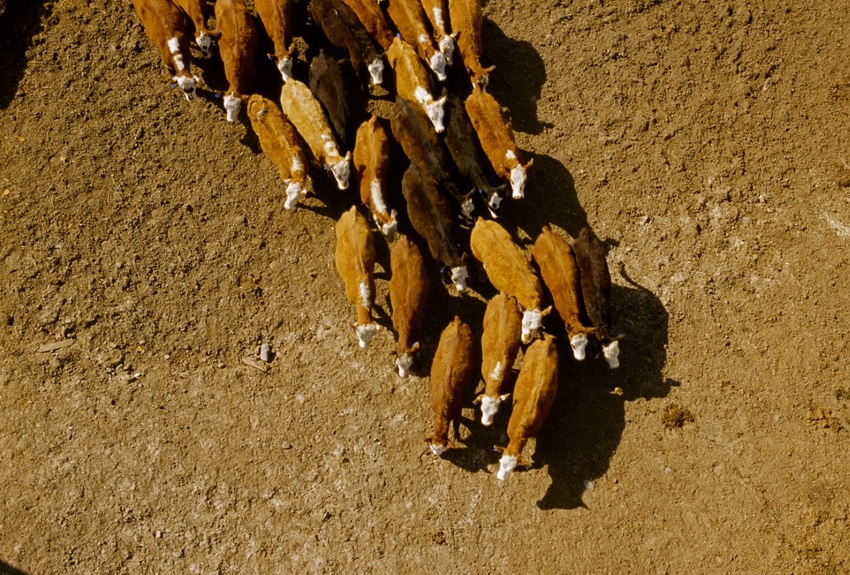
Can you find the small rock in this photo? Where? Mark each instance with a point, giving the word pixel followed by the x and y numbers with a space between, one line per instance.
pixel 266 352
pixel 286 445
pixel 588 484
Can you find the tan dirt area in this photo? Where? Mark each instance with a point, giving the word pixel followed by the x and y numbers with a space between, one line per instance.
pixel 145 252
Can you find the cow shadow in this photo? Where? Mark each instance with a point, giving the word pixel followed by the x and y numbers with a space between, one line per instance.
pixel 21 21
pixel 6 569
pixel 587 420
pixel 518 78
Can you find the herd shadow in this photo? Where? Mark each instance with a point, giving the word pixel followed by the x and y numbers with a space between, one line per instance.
pixel 21 21
pixel 6 569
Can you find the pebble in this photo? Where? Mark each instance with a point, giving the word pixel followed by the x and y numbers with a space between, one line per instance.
pixel 266 352
pixel 286 445
pixel 588 484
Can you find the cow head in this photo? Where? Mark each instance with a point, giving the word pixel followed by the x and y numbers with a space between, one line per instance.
pixel 187 85
pixel 579 344
pixel 341 171
pixel 518 178
pixel 459 275
pixel 365 332
pixel 467 206
pixel 376 71
pixel 490 407
pixel 438 446
pixel 447 47
pixel 611 351
pixel 507 464
pixel 284 66
pixel 204 42
pixel 295 192
pixel 436 113
pixel 232 104
pixel 438 64
pixel 390 228
pixel 532 320
pixel 493 201
pixel 405 360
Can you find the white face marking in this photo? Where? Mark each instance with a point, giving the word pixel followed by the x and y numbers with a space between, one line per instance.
pixel 365 333
pixel 497 373
pixel 612 353
pixel 531 322
pixel 438 64
pixel 376 71
pixel 518 182
pixel 438 449
pixel 187 86
pixel 435 113
pixel 447 47
pixel 377 198
pixel 232 105
pixel 459 275
pixel 284 65
pixel 509 155
pixel 390 228
pixel 578 343
pixel 204 42
pixel 294 193
pixel 489 408
pixel 365 295
pixel 467 207
pixel 507 464
pixel 403 362
pixel 341 171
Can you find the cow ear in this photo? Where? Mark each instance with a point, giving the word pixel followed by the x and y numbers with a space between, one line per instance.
pixel 499 450
pixel 415 346
pixel 546 311
pixel 528 165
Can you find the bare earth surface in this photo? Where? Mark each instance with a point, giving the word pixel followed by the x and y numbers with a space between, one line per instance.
pixel 708 143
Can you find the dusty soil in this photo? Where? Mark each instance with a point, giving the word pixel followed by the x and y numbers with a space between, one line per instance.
pixel 708 143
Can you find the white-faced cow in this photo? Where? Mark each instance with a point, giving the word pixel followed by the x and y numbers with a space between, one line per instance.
pixel 500 344
pixel 372 163
pixel 198 11
pixel 596 292
pixel 344 30
pixel 355 262
pixel 280 143
pixel 411 22
pixel 276 18
pixel 466 21
pixel 413 83
pixel 408 297
pixel 451 373
pixel 554 257
pixel 238 44
pixel 534 394
pixel 509 270
pixel 165 25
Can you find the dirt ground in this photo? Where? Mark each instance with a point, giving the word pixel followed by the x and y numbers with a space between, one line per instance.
pixel 146 251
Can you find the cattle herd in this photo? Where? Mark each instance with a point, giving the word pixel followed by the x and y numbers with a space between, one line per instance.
pixel 456 138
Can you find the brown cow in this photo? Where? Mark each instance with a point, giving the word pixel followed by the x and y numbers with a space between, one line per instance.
pixel 430 215
pixel 509 271
pixel 437 13
pixel 412 81
pixel 276 18
pixel 281 145
pixel 372 163
pixel 466 21
pixel 462 143
pixel 596 292
pixel 355 262
pixel 238 44
pixel 165 25
pixel 499 348
pixel 199 11
pixel 344 30
pixel 451 373
pixel 408 296
pixel 558 268
pixel 327 85
pixel 410 21
pixel 373 19
pixel 304 111
pixel 423 147
pixel 534 393
pixel 497 139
